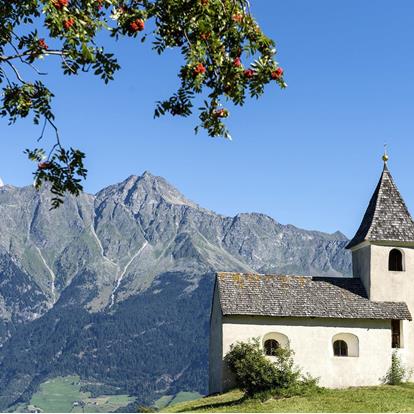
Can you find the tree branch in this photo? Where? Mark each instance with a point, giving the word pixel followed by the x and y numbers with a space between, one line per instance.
pixel 16 72
pixel 5 58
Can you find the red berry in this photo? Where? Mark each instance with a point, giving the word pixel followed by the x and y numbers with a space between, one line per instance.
pixel 137 25
pixel 237 17
pixel 140 23
pixel 67 24
pixel 277 74
pixel 249 73
pixel 44 165
pixel 199 69
pixel 133 27
pixel 60 4
pixel 204 36
pixel 221 113
pixel 42 44
pixel 237 62
pixel 204 2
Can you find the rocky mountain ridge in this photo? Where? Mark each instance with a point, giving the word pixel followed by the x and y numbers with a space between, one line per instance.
pixel 137 242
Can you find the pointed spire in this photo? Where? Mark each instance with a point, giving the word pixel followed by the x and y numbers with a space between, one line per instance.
pixel 387 218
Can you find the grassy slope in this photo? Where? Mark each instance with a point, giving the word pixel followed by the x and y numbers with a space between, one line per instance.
pixel 181 397
pixel 354 400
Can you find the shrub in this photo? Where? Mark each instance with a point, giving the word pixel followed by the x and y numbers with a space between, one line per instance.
pixel 257 376
pixel 397 373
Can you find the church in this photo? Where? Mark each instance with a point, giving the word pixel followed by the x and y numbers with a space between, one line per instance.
pixel 342 330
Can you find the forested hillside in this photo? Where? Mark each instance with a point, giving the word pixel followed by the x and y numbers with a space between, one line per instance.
pixel 116 287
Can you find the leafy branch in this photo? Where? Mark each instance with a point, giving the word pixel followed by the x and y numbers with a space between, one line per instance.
pixel 227 58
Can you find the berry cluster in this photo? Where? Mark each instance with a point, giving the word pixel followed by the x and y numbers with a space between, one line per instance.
pixel 67 24
pixel 237 17
pixel 60 4
pixel 249 73
pixel 237 62
pixel 277 74
pixel 137 25
pixel 42 44
pixel 44 165
pixel 221 113
pixel 199 69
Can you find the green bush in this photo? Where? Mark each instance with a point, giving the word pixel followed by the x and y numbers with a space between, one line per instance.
pixel 258 376
pixel 397 373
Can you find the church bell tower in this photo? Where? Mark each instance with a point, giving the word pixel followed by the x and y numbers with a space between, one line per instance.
pixel 383 247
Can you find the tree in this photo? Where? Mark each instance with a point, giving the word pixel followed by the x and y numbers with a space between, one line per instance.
pixel 226 57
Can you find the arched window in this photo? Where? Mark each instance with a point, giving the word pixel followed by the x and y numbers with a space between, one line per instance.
pixel 345 345
pixel 271 346
pixel 340 348
pixel 395 261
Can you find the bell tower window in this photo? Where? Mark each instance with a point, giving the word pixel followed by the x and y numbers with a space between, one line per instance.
pixel 395 261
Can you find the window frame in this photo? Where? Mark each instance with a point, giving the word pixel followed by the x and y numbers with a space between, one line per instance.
pixel 397 263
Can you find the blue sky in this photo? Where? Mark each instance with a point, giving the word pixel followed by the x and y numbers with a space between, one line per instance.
pixel 309 155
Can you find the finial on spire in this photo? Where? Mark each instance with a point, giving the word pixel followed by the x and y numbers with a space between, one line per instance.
pixel 385 157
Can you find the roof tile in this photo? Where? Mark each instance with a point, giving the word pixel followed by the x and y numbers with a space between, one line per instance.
pixel 387 217
pixel 300 296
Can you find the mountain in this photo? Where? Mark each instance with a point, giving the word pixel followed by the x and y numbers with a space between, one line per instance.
pixel 116 287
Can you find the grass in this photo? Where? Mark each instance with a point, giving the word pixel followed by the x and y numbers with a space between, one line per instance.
pixel 352 400
pixel 185 396
pixel 163 401
pixel 57 395
pixel 169 400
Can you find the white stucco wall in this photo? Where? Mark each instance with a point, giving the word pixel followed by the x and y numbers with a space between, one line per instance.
pixel 311 339
pixel 391 286
pixel 361 265
pixel 371 265
pixel 216 346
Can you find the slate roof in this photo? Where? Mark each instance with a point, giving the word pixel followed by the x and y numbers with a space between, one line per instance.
pixel 300 296
pixel 387 217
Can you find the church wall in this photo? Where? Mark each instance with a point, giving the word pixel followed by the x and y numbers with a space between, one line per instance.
pixel 361 265
pixel 395 287
pixel 216 346
pixel 311 340
pixel 391 286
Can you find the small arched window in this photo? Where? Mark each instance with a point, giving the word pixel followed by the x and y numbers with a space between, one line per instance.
pixel 395 261
pixel 340 348
pixel 271 346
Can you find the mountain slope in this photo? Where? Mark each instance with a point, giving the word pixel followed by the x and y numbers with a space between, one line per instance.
pixel 112 286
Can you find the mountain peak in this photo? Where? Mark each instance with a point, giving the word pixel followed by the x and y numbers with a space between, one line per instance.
pixel 146 188
pixel 147 174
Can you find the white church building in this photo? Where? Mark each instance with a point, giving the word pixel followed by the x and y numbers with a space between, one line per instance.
pixel 342 330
